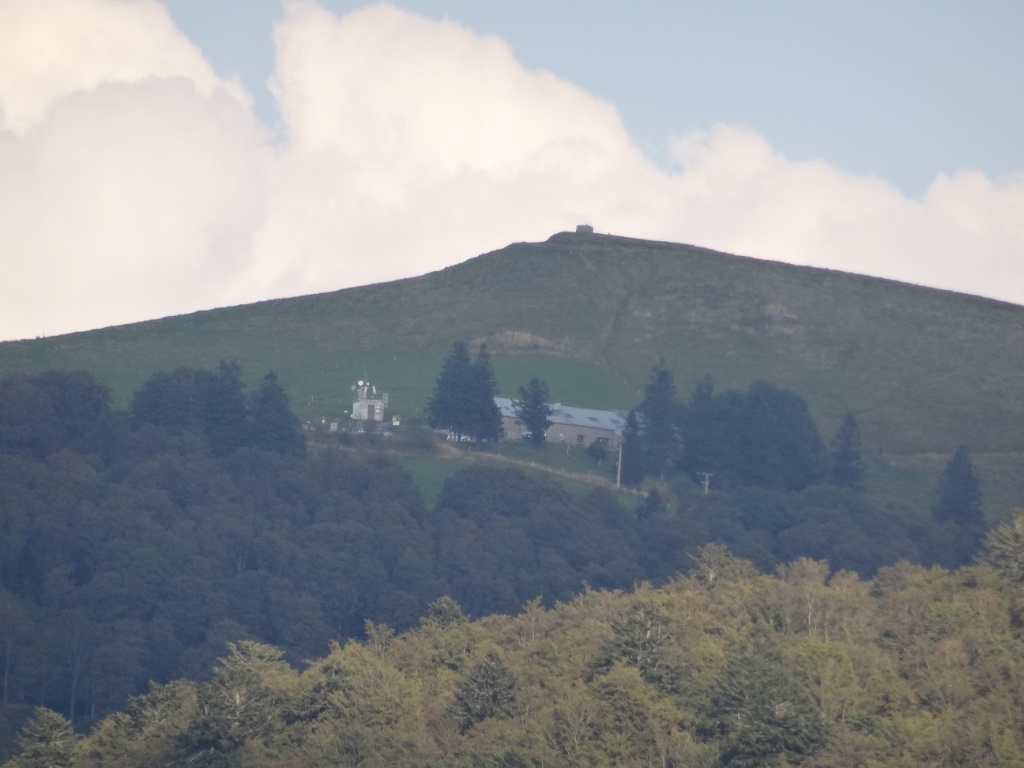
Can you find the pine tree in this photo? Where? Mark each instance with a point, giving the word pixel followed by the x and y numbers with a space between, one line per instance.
pixel 631 468
pixel 225 417
pixel 489 689
pixel 1004 548
pixel 484 414
pixel 699 424
pixel 46 741
pixel 447 406
pixel 760 709
pixel 960 493
pixel 533 410
pixel 274 426
pixel 847 465
pixel 662 446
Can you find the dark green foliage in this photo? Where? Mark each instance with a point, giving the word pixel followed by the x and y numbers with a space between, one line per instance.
pixel 760 708
pixel 143 568
pixel 631 468
pixel 463 398
pixel 659 427
pixel 40 415
pixel 450 402
pixel 651 507
pixel 225 417
pixel 780 446
pixel 274 426
pixel 489 689
pixel 764 437
pixel 845 451
pixel 959 492
pixel 214 404
pixel 960 522
pixel 485 416
pixel 533 410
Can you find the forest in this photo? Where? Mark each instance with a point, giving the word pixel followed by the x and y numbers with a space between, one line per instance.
pixel 140 546
pixel 721 666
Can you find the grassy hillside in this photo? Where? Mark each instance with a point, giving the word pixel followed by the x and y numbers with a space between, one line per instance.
pixel 923 369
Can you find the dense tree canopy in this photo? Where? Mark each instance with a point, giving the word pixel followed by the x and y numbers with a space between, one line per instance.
pixel 764 437
pixel 134 548
pixel 918 667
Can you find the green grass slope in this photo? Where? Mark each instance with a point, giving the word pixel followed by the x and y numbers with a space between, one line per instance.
pixel 923 369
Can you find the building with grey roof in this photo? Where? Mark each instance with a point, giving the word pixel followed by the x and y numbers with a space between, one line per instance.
pixel 575 426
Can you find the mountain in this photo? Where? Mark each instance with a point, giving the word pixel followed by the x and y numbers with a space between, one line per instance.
pixel 924 370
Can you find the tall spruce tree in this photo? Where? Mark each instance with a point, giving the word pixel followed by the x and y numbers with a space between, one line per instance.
pixel 698 421
pixel 960 493
pixel 847 469
pixel 485 416
pixel 1004 547
pixel 448 405
pixel 960 521
pixel 533 410
pixel 659 428
pixel 759 707
pixel 274 425
pixel 225 417
pixel 631 466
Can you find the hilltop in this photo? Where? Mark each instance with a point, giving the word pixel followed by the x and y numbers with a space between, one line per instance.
pixel 923 369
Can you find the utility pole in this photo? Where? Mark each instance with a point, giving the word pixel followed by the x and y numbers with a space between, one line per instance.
pixel 705 481
pixel 618 469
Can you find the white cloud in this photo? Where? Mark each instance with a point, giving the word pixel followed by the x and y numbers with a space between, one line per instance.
pixel 123 195
pixel 52 48
pixel 134 183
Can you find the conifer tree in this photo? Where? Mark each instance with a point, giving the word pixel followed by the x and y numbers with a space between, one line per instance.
pixel 533 410
pixel 46 741
pixel 659 428
pixel 484 414
pixel 1004 547
pixel 760 709
pixel 489 689
pixel 447 405
pixel 847 464
pixel 225 417
pixel 631 468
pixel 960 493
pixel 274 426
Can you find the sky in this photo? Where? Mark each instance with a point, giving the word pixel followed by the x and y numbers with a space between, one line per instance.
pixel 158 158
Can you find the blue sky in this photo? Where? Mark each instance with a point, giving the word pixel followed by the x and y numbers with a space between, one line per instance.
pixel 162 157
pixel 902 90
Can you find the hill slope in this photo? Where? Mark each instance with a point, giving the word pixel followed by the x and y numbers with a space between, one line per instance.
pixel 923 369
